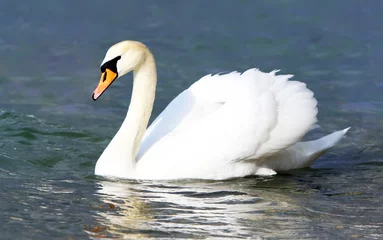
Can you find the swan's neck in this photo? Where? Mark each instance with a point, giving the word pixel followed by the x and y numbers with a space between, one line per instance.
pixel 141 104
pixel 119 158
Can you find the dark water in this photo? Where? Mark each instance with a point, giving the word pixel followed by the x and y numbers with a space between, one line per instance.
pixel 52 132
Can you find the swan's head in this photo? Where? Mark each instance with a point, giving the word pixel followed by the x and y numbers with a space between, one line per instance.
pixel 119 60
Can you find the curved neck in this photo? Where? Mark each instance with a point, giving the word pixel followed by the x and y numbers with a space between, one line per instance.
pixel 141 103
pixel 119 158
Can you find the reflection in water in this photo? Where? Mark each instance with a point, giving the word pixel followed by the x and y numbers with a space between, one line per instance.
pixel 196 209
pixel 125 211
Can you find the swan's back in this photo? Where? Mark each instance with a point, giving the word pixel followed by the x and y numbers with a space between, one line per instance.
pixel 229 118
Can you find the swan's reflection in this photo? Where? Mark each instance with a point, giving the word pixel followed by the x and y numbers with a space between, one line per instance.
pixel 126 212
pixel 195 209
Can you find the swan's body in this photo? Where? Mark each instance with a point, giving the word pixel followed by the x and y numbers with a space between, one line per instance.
pixel 223 126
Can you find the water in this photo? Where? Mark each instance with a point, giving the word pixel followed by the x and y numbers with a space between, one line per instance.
pixel 52 132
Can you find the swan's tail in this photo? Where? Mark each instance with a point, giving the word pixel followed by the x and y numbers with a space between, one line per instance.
pixel 303 154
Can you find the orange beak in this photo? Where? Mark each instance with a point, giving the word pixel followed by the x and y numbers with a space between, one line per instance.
pixel 106 80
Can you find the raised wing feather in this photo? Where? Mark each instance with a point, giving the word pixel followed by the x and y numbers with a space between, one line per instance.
pixel 296 111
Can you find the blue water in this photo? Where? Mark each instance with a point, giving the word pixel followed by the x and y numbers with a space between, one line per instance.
pixel 52 132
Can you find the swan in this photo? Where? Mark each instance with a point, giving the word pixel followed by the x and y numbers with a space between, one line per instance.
pixel 223 126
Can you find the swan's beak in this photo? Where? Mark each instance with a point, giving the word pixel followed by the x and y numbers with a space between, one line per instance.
pixel 106 80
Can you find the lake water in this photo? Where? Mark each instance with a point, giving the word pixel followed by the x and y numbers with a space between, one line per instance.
pixel 52 132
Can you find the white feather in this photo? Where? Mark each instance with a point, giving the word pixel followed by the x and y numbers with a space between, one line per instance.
pixel 222 126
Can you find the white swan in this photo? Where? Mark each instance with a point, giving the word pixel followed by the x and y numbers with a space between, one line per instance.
pixel 223 126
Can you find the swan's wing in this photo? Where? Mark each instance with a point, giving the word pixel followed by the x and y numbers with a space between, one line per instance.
pixel 253 115
pixel 282 111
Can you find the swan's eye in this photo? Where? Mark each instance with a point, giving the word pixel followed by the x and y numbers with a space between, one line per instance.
pixel 111 64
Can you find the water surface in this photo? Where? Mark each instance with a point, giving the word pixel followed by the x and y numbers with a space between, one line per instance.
pixel 52 132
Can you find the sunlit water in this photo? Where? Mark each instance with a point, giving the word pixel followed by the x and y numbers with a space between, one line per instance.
pixel 52 132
